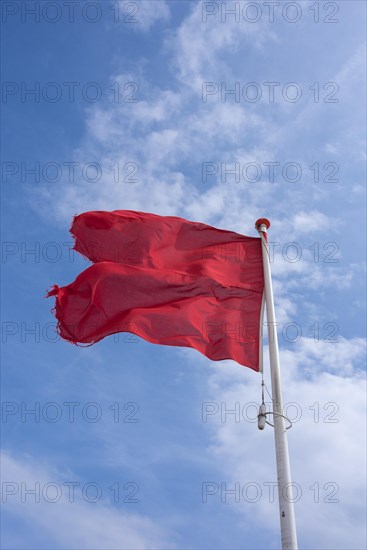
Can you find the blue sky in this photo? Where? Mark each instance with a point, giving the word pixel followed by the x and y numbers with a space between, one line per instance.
pixel 131 415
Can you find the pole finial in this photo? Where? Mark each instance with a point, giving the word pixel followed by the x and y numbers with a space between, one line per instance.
pixel 262 221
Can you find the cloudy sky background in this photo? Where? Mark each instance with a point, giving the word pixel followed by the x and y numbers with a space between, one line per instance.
pixel 129 415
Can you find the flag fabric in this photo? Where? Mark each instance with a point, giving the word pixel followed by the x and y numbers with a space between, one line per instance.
pixel 167 280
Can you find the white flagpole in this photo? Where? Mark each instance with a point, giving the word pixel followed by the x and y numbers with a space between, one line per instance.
pixel 285 492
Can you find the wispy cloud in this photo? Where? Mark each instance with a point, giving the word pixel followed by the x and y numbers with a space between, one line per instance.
pixel 143 14
pixel 71 521
pixel 324 390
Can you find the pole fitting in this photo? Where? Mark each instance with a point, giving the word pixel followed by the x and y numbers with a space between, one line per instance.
pixel 260 222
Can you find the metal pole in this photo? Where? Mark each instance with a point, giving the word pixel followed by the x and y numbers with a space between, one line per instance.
pixel 285 492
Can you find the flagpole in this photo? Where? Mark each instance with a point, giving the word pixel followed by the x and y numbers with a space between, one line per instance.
pixel 285 492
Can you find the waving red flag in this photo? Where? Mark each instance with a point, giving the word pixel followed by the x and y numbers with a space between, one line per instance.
pixel 168 280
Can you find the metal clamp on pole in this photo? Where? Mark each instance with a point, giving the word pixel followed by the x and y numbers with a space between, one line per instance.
pixel 262 418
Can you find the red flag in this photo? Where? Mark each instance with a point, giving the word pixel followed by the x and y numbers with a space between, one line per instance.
pixel 168 280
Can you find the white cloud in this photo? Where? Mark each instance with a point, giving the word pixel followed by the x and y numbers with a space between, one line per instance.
pixel 169 130
pixel 350 81
pixel 326 386
pixel 331 148
pixel 68 524
pixel 142 14
pixel 310 222
pixel 201 39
